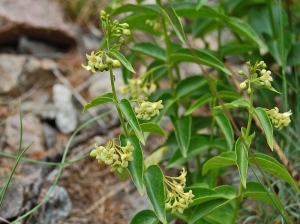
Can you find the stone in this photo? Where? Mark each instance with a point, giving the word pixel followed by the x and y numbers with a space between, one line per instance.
pixel 19 73
pixel 66 117
pixel 57 207
pixel 101 83
pixel 32 133
pixel 50 134
pixel 43 20
pixel 15 197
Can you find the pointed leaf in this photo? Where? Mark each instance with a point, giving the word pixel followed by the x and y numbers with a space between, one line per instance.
pixel 136 166
pixel 224 124
pixel 145 217
pixel 206 208
pixel 189 85
pixel 198 56
pixel 182 128
pixel 259 192
pixel 200 102
pixel 154 182
pixel 129 114
pixel 272 166
pixel 200 3
pixel 108 97
pixel 205 194
pixel 122 59
pixel 241 152
pixel 152 127
pixel 222 160
pixel 234 104
pixel 265 124
pixel 170 15
pixel 198 144
pixel 151 49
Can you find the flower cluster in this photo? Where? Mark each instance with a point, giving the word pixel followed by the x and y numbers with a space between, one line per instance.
pixel 137 89
pixel 114 155
pixel 148 109
pixel 258 75
pixel 115 29
pixel 100 61
pixel 176 198
pixel 154 23
pixel 279 120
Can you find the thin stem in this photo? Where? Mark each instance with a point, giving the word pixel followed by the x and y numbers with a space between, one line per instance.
pixel 112 83
pixel 271 18
pixel 238 202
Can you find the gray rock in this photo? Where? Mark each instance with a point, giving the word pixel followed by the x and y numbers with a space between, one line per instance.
pixel 20 73
pixel 57 207
pixel 15 197
pixel 50 135
pixel 66 119
pixel 32 132
pixel 42 20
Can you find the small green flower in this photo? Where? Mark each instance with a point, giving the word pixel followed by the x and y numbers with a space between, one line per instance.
pixel 279 120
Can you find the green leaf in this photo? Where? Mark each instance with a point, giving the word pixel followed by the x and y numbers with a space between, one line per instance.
pixel 136 8
pixel 265 124
pixel 189 85
pixel 106 98
pixel 224 123
pixel 122 59
pixel 200 3
pixel 145 217
pixel 236 48
pixel 129 114
pixel 219 143
pixel 222 160
pixel 241 152
pixel 242 28
pixel 272 166
pixel 258 192
pixel 294 55
pixel 275 46
pixel 239 27
pixel 205 194
pixel 155 157
pixel 198 56
pixel 229 95
pixel 234 104
pixel 136 166
pixel 170 15
pixel 200 102
pixel 151 49
pixel 152 127
pixel 182 127
pixel 197 145
pixel 206 208
pixel 154 182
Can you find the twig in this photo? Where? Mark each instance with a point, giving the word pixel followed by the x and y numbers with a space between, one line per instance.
pixel 4 220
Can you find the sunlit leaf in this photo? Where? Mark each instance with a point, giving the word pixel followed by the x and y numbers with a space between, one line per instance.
pixel 106 98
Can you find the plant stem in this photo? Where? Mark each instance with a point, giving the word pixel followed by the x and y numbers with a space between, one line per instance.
pixel 169 52
pixel 240 195
pixel 112 83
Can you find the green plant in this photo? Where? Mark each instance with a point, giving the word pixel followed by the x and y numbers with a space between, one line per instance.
pixel 201 201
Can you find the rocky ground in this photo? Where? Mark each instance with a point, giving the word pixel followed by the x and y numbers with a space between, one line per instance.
pixel 41 53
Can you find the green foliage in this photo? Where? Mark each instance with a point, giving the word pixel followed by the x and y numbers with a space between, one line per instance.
pixel 260 30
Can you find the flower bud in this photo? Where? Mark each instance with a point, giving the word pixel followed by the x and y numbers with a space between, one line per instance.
pixel 121 40
pixel 125 25
pixel 241 72
pixel 243 85
pixel 116 63
pixel 249 90
pixel 103 13
pixel 126 32
pixel 157 26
